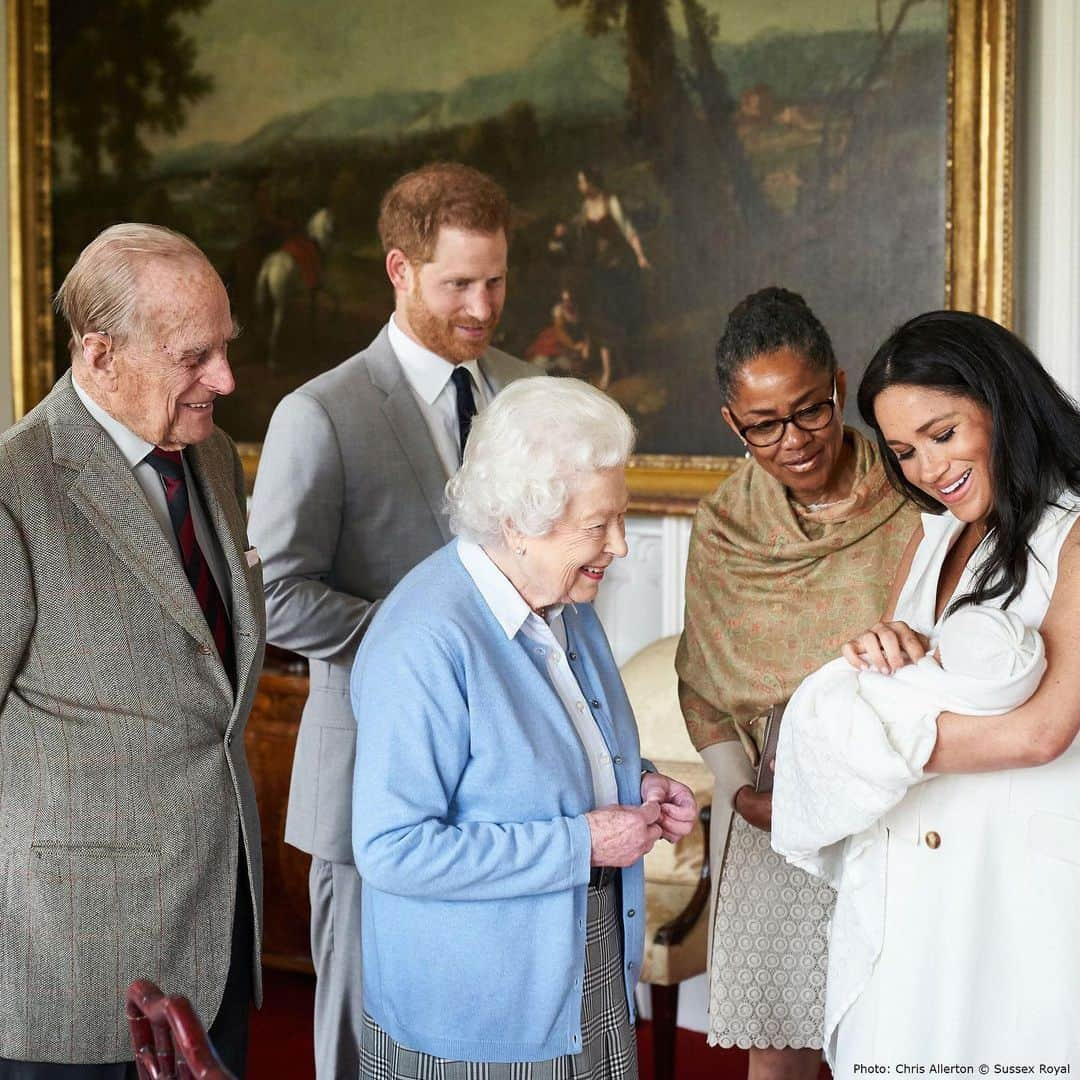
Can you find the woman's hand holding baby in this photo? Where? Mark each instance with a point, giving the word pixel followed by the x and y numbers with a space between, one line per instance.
pixel 885 647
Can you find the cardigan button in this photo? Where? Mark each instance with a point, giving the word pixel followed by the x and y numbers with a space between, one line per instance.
pixel 595 703
pixel 617 760
pixel 572 655
pixel 631 913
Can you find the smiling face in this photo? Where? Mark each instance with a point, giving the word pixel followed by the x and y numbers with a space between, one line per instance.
pixel 942 443
pixel 567 564
pixel 810 464
pixel 162 382
pixel 452 304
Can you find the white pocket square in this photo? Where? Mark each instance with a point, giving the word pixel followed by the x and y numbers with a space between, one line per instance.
pixel 252 556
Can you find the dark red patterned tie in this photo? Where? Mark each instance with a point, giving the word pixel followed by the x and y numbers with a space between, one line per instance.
pixel 170 466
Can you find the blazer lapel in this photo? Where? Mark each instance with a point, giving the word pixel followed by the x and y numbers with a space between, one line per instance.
pixel 109 496
pixel 106 492
pixel 212 471
pixel 408 424
pixel 500 369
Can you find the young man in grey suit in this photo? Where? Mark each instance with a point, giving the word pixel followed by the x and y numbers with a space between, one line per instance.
pixel 349 498
pixel 131 642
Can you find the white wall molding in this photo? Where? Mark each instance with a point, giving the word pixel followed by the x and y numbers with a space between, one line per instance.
pixel 642 595
pixel 1048 188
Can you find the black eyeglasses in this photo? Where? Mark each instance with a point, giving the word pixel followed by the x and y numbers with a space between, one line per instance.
pixel 813 418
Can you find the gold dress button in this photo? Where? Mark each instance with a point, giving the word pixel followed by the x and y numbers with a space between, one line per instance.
pixel 933 840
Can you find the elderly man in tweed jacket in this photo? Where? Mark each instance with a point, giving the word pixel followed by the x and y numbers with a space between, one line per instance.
pixel 130 647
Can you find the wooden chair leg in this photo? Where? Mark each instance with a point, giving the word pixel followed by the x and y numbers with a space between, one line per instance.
pixel 665 1008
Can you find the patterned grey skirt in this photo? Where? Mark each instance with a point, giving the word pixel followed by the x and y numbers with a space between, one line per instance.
pixel 609 1051
pixel 767 982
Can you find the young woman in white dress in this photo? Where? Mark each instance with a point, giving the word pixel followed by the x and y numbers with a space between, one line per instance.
pixel 979 951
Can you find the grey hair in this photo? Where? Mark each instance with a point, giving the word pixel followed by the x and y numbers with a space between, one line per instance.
pixel 100 293
pixel 528 451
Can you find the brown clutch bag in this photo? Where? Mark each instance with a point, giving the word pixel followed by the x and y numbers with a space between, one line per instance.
pixel 773 718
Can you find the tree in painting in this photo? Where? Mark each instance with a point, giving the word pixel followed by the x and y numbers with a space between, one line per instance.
pixel 708 152
pixel 104 100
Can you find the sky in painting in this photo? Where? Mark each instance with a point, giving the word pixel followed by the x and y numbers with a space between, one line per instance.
pixel 270 57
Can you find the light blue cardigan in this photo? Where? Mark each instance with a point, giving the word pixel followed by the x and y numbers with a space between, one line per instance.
pixel 469 797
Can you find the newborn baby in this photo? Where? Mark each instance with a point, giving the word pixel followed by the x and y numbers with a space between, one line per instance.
pixel 986 657
pixel 852 744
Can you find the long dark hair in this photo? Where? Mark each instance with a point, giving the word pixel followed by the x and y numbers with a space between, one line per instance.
pixel 1035 429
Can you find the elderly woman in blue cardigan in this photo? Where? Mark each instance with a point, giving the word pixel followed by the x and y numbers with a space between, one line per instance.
pixel 500 807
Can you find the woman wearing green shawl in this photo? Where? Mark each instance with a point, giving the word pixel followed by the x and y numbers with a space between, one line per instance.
pixel 788 558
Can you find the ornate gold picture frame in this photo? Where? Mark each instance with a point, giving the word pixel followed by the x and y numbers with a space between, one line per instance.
pixel 977 171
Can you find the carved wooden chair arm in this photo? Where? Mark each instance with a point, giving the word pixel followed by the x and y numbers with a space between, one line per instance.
pixel 168 1038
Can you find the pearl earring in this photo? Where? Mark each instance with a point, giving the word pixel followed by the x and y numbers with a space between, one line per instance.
pixel 519 550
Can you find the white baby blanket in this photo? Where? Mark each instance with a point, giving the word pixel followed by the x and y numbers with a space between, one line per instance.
pixel 853 742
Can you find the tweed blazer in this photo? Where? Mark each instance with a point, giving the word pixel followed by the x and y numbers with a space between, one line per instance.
pixel 349 498
pixel 125 793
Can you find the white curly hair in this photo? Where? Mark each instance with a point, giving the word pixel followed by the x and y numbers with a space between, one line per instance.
pixel 528 451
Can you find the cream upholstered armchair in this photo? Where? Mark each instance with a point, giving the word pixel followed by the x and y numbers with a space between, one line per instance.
pixel 676 877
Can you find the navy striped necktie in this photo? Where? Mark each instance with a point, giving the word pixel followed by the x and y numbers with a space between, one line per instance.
pixel 170 466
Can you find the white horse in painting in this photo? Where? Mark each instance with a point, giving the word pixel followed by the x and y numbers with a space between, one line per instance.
pixel 280 279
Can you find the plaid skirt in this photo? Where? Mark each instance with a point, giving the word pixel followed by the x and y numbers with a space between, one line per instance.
pixel 609 1051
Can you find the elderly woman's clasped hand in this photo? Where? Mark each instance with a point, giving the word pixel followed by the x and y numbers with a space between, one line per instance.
pixel 623 834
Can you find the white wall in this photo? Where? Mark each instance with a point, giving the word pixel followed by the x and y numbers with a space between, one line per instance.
pixel 1048 185
pixel 642 596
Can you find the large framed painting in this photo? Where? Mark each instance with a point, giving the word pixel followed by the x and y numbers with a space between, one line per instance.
pixel 664 157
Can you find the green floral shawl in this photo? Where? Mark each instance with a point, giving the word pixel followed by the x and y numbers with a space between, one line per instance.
pixel 773 589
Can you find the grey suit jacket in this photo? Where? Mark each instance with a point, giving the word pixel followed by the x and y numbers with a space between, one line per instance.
pixel 348 499
pixel 124 789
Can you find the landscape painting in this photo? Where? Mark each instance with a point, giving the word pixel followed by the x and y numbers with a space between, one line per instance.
pixel 664 158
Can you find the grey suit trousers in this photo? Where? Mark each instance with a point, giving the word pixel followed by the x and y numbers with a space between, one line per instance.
pixel 335 952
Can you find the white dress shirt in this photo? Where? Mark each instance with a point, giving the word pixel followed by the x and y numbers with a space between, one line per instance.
pixel 133 448
pixel 548 640
pixel 429 379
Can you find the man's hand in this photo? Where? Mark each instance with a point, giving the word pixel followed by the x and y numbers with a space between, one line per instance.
pixel 623 834
pixel 754 806
pixel 678 807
